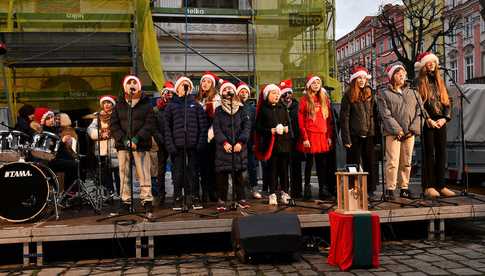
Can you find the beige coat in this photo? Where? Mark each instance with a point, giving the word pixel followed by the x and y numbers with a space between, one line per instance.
pixel 107 147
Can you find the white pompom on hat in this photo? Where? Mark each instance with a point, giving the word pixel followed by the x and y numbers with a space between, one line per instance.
pixel 180 80
pixel 270 87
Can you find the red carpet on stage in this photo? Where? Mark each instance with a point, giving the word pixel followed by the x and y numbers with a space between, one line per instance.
pixel 343 246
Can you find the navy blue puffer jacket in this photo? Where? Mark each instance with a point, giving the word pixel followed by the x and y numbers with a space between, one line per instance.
pixel 174 125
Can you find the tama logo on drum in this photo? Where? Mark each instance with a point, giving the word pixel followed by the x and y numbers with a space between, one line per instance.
pixel 18 173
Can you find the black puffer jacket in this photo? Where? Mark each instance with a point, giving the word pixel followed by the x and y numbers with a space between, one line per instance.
pixel 293 112
pixel 223 133
pixel 143 124
pixel 174 125
pixel 269 117
pixel 357 119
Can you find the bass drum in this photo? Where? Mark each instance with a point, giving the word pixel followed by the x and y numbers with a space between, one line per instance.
pixel 26 188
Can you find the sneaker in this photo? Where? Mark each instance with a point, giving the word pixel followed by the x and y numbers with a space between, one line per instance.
pixel 221 205
pixel 273 200
pixel 178 203
pixel 148 206
pixel 257 195
pixel 447 192
pixel 390 194
pixel 431 192
pixel 243 204
pixel 405 193
pixel 196 204
pixel 285 198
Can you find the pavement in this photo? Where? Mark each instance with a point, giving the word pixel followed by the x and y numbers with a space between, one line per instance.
pixel 463 253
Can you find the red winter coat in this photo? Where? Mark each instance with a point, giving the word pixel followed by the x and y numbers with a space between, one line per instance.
pixel 316 130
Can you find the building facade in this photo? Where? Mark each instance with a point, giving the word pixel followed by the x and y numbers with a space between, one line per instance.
pixel 465 48
pixel 357 48
pixel 385 55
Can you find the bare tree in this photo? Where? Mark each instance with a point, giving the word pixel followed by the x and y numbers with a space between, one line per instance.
pixel 421 15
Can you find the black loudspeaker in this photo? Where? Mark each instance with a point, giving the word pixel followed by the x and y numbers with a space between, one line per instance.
pixel 265 235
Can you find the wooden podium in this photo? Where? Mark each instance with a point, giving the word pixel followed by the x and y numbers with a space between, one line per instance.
pixel 352 192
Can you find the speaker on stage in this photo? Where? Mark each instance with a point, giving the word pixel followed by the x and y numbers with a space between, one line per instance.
pixel 266 235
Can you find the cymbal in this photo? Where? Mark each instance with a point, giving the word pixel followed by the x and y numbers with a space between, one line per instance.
pixel 89 116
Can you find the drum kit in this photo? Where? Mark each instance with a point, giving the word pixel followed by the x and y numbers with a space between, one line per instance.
pixel 28 188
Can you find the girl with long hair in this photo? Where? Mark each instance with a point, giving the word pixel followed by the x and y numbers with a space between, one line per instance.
pixel 357 124
pixel 315 123
pixel 437 104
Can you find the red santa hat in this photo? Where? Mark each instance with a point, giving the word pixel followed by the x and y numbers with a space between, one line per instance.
pixel 109 98
pixel 242 85
pixel 127 79
pixel 391 69
pixel 286 86
pixel 270 87
pixel 39 112
pixel 424 58
pixel 213 77
pixel 225 84
pixel 46 114
pixel 360 71
pixel 180 80
pixel 310 79
pixel 168 86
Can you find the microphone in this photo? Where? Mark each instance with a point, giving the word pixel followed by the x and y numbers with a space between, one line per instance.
pixel 132 89
pixel 230 93
pixel 186 88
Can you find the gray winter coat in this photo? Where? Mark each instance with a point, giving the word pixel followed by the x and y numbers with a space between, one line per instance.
pixel 399 111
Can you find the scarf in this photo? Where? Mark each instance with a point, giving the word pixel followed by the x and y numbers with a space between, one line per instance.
pixel 105 119
pixel 226 106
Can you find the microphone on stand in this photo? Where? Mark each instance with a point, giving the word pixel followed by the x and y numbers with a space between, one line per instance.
pixel 186 88
pixel 132 89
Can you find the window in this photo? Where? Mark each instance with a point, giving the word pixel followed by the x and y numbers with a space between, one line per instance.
pixel 468 26
pixel 454 69
pixel 453 36
pixel 381 46
pixel 218 4
pixel 469 67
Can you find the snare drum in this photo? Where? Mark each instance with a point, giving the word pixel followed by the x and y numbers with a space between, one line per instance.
pixel 26 188
pixel 11 145
pixel 45 146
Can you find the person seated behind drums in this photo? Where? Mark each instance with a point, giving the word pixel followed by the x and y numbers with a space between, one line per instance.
pixel 25 117
pixel 64 159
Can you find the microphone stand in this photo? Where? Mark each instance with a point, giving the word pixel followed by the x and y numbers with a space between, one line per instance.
pixel 100 179
pixel 464 170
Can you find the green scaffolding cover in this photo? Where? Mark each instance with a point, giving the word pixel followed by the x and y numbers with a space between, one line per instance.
pixel 293 39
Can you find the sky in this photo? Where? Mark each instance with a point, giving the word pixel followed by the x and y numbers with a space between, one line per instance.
pixel 351 12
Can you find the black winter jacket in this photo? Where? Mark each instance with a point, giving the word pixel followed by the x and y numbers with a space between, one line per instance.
pixel 357 119
pixel 269 117
pixel 433 106
pixel 143 124
pixel 174 125
pixel 222 125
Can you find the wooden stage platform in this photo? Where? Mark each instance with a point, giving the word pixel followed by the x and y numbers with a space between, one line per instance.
pixel 84 225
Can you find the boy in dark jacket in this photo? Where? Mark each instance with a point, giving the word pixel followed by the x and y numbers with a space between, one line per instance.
pixel 272 126
pixel 296 157
pixel 231 133
pixel 162 154
pixel 185 136
pixel 142 125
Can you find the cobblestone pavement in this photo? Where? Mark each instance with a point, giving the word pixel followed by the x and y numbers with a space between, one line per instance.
pixel 462 254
